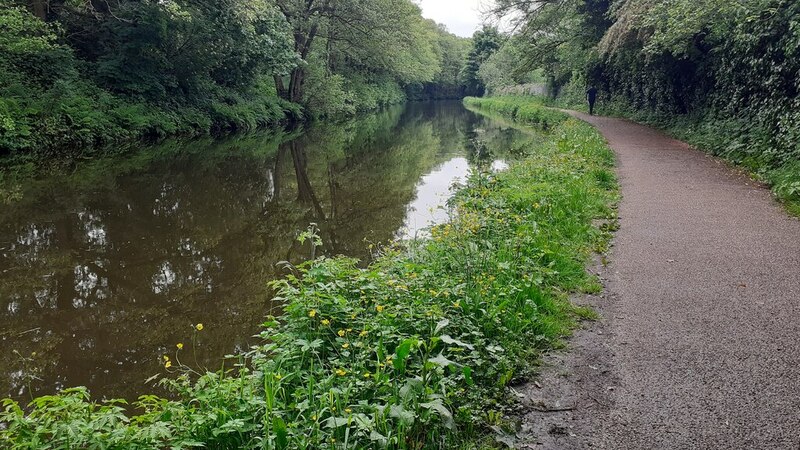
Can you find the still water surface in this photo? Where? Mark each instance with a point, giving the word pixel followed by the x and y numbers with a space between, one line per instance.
pixel 104 268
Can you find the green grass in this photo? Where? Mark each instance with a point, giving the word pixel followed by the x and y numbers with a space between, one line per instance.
pixel 524 110
pixel 414 351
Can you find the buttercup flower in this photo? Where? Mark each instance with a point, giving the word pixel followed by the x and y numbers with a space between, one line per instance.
pixel 379 308
pixel 341 333
pixel 168 364
pixel 312 313
pixel 325 322
pixel 199 327
pixel 179 345
pixel 341 372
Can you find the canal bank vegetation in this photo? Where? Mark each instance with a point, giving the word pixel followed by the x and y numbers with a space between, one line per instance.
pixel 416 350
pixel 77 76
pixel 721 75
pixel 529 111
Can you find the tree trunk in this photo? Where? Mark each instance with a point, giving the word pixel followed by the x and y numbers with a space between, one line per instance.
pixel 296 85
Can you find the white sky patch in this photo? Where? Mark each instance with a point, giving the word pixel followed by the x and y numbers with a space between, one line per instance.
pixel 462 17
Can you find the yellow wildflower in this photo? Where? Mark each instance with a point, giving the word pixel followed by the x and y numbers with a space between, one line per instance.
pixel 199 327
pixel 457 305
pixel 363 333
pixel 278 376
pixel 379 308
pixel 179 345
pixel 367 374
pixel 348 410
pixel 312 313
pixel 166 358
pixel 349 330
pixel 314 417
pixel 325 322
pixel 168 364
pixel 341 372
pixel 346 345
pixel 341 333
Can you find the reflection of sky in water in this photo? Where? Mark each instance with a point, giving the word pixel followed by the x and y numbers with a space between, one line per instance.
pixel 433 191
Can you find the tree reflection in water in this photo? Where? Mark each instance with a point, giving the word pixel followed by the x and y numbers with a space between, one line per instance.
pixel 104 269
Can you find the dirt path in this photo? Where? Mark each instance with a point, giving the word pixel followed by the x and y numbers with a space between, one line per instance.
pixel 699 345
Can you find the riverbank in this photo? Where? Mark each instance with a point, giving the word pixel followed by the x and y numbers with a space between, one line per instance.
pixel 83 120
pixel 414 351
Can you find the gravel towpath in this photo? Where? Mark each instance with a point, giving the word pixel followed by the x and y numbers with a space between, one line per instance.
pixel 699 344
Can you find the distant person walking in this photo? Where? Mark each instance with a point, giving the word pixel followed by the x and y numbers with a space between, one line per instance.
pixel 591 95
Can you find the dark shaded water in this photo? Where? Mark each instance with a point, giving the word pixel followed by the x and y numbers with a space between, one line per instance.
pixel 104 269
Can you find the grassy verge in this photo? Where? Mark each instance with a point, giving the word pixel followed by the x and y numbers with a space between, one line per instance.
pixel 414 351
pixel 524 110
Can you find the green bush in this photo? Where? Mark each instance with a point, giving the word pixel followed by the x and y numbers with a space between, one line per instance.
pixel 55 105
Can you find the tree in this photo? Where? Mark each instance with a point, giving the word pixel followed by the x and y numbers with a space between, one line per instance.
pixel 484 43
pixel 372 36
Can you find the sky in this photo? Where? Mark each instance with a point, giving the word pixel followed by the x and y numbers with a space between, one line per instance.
pixel 462 17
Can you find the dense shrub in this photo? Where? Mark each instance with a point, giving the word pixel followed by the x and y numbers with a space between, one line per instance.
pixel 138 78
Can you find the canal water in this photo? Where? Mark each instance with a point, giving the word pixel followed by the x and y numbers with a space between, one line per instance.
pixel 105 267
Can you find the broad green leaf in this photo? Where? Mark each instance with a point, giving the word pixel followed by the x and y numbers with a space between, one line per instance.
pixel 442 361
pixel 438 406
pixel 404 415
pixel 401 353
pixel 440 325
pixel 336 422
pixel 450 341
pixel 281 433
